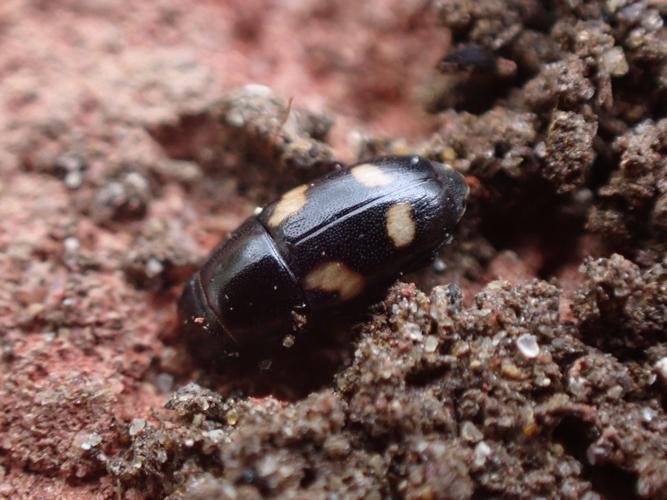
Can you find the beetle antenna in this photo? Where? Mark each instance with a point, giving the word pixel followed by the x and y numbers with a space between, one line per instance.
pixel 288 110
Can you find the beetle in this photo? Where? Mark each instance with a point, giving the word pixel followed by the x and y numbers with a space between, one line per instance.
pixel 473 57
pixel 320 247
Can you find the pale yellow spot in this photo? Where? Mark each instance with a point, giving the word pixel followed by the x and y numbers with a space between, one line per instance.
pixel 448 154
pixel 291 202
pixel 371 175
pixel 400 225
pixel 335 277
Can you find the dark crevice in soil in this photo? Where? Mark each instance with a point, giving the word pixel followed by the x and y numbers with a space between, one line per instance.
pixel 575 435
pixel 187 139
pixel 309 476
pixel 611 482
pixel 547 224
pixel 286 373
pixel 485 494
pixel 425 377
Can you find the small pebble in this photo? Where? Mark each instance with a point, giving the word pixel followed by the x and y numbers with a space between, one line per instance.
pixel 614 62
pixel 215 434
pixel 661 369
pixel 528 346
pixel 430 344
pixel 73 180
pixel 71 245
pixel 648 414
pixel 412 331
pixel 70 168
pixel 154 267
pixel 257 90
pixel 439 266
pixel 267 465
pixel 137 181
pixel 90 441
pixel 482 452
pixel 511 371
pixel 161 456
pixel 136 426
pixel 470 432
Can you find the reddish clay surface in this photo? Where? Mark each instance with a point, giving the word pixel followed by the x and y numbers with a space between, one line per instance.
pixel 136 135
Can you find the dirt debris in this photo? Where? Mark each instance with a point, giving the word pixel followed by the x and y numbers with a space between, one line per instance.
pixel 284 139
pixel 530 360
pixel 446 405
pixel 569 150
pixel 617 292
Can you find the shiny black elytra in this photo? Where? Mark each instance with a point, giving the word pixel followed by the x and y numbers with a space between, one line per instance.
pixel 320 246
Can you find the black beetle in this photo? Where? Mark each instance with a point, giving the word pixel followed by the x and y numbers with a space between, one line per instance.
pixel 320 246
pixel 473 57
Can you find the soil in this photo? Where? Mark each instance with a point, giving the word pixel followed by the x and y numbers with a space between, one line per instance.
pixel 529 360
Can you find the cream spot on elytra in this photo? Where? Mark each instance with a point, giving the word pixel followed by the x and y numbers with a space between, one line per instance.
pixel 290 203
pixel 400 224
pixel 371 175
pixel 335 277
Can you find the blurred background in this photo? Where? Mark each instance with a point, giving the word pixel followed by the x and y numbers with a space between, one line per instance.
pixel 145 63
